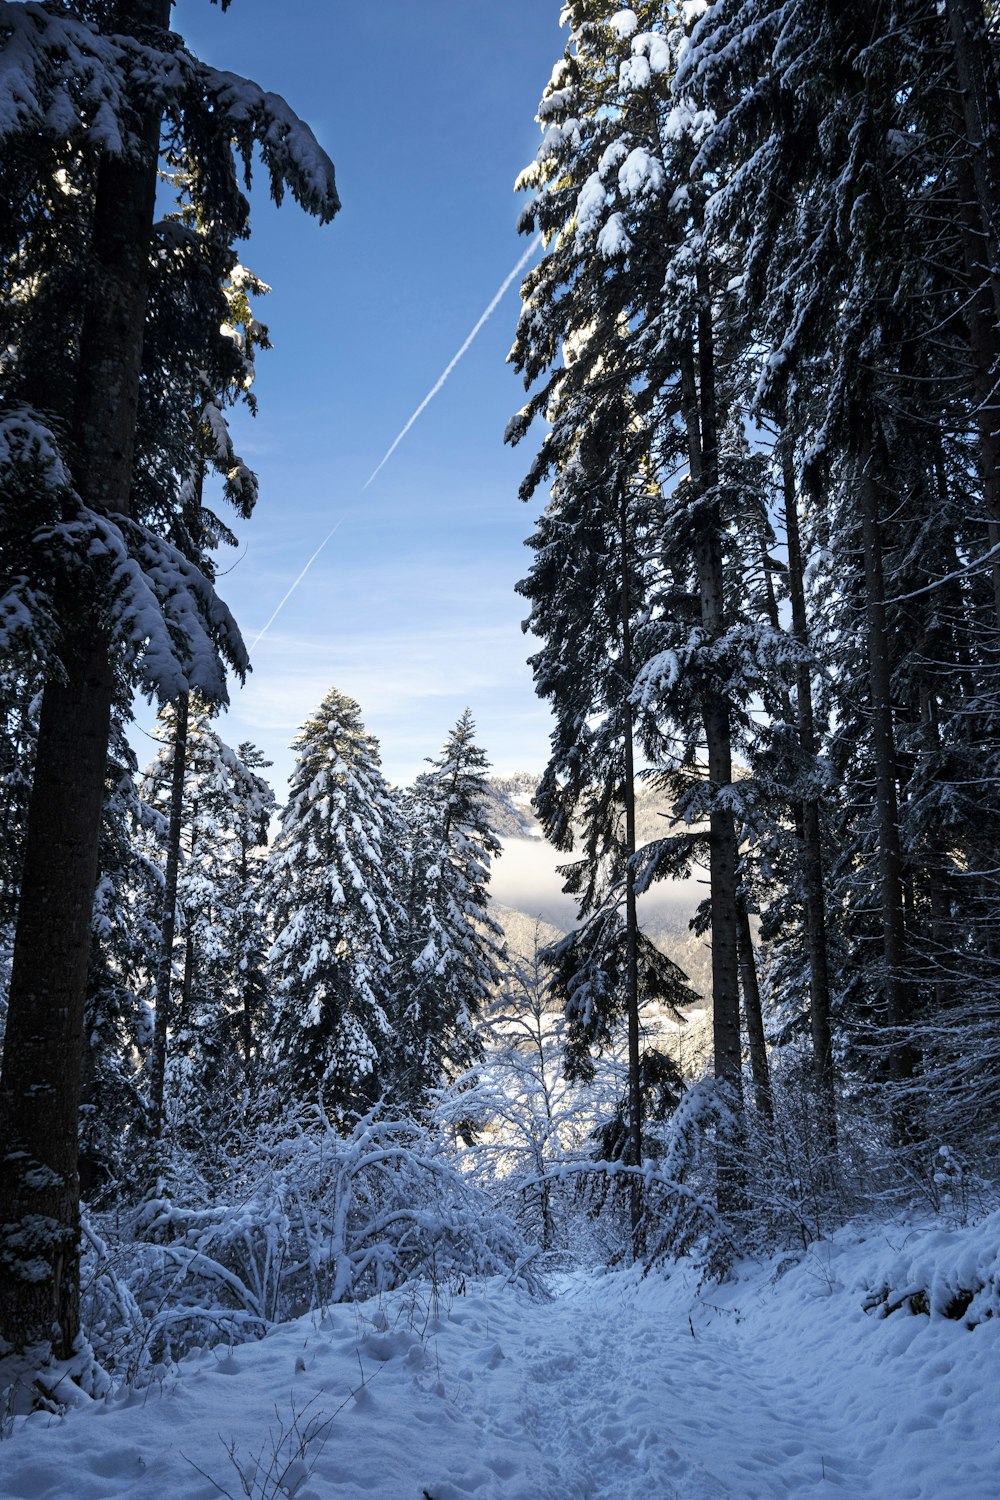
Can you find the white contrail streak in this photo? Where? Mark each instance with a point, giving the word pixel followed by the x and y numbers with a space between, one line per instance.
pixel 494 304
pixel 444 376
pixel 262 632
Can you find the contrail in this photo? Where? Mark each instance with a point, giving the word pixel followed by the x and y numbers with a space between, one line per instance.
pixel 261 633
pixel 494 304
pixel 442 378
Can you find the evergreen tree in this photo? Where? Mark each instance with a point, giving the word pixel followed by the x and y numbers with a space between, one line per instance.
pixel 336 917
pixel 453 950
pixel 214 1018
pixel 858 192
pixel 117 1018
pixel 636 588
pixel 91 577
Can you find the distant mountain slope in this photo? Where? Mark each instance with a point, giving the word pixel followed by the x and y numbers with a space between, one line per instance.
pixel 513 816
pixel 511 813
pixel 523 932
pixel 527 888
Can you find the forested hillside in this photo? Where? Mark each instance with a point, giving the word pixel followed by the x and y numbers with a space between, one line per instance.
pixel 712 997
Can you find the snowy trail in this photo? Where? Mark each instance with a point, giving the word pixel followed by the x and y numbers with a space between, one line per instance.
pixel 617 1405
pixel 772 1385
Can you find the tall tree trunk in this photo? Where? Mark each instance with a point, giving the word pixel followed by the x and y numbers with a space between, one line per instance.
pixel 168 920
pixel 702 425
pixel 811 845
pixel 43 1049
pixel 884 755
pixel 980 95
pixel 722 830
pixel 984 348
pixel 40 1082
pixel 631 914
pixel 754 1017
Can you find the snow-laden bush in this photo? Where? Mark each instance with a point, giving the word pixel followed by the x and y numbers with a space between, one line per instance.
pixel 309 1219
pixel 512 1129
pixel 797 1190
pixel 948 1271
pixel 537 1153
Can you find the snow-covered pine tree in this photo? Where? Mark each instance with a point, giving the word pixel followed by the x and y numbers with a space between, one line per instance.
pixel 597 170
pixel 843 148
pixel 453 951
pixel 335 914
pixel 213 1017
pixel 637 585
pixel 91 576
pixel 117 1021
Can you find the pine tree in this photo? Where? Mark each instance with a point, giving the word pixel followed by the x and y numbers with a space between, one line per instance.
pixel 453 950
pixel 336 917
pixel 91 571
pixel 847 181
pixel 637 585
pixel 214 849
pixel 117 1014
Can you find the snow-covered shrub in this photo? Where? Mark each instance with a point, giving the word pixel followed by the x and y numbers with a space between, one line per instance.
pixel 386 1206
pixel 512 1127
pixel 944 1272
pixel 308 1219
pixel 619 1213
pixel 515 1118
pixel 797 1191
pixel 944 1179
pixel 118 1330
pixel 680 1202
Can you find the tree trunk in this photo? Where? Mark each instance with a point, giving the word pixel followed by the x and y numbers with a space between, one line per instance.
pixel 702 426
pixel 980 95
pixel 631 914
pixel 884 755
pixel 722 829
pixel 811 846
pixel 40 1091
pixel 168 921
pixel 754 1017
pixel 40 1082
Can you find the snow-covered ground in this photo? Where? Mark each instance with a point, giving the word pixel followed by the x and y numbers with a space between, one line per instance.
pixel 776 1383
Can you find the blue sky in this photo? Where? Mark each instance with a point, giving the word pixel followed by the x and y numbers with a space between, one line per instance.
pixel 427 109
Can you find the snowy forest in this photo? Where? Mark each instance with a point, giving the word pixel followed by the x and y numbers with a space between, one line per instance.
pixel 286 1096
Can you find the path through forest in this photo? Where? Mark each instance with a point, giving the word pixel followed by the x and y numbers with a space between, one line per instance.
pixel 777 1383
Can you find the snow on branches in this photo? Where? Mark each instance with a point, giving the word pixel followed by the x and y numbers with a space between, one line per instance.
pixel 64 81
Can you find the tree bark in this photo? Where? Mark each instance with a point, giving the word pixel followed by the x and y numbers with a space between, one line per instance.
pixel 896 1009
pixel 754 1017
pixel 631 914
pixel 168 921
pixel 40 1082
pixel 811 845
pixel 40 1089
